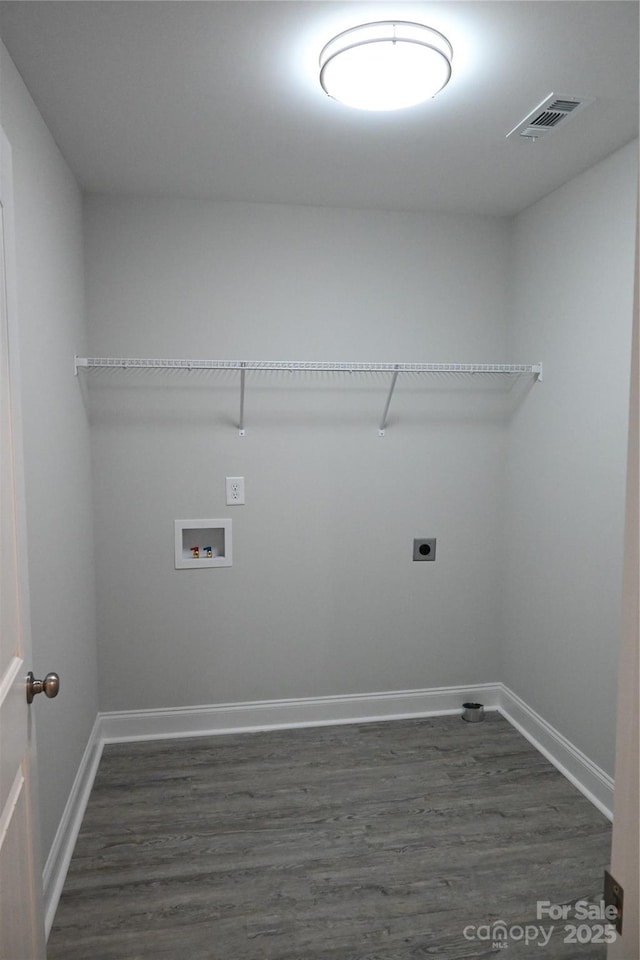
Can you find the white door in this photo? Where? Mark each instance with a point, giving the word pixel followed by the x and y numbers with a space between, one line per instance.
pixel 625 849
pixel 21 913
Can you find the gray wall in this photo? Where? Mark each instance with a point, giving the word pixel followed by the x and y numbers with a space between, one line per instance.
pixel 573 290
pixel 48 213
pixel 323 596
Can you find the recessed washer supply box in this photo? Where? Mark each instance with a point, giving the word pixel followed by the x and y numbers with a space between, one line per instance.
pixel 202 543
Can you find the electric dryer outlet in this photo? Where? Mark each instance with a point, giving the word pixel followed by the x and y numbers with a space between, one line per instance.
pixel 424 549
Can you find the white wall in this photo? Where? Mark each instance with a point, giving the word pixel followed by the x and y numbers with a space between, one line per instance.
pixel 323 596
pixel 573 290
pixel 48 214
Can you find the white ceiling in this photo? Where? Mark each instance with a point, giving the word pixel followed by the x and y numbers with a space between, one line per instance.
pixel 221 100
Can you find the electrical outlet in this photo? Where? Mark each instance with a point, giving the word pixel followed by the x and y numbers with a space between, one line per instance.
pixel 424 549
pixel 235 490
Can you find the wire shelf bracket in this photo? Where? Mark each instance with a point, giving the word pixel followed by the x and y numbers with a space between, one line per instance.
pixel 395 369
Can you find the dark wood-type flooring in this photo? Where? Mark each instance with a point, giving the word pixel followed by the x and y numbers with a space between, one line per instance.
pixel 380 841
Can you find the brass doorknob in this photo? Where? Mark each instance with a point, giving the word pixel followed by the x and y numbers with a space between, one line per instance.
pixel 49 686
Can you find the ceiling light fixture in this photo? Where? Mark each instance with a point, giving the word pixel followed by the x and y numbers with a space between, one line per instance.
pixel 386 65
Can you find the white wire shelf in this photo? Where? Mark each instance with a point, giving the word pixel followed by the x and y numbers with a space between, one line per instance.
pixel 242 366
pixel 93 363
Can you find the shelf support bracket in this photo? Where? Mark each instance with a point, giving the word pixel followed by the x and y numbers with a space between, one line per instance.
pixel 241 431
pixel 383 421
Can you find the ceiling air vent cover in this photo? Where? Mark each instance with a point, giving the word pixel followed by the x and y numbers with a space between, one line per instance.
pixel 549 115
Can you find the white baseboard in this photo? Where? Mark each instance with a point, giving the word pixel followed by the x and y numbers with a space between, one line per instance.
pixel 589 778
pixel 55 870
pixel 255 716
pixel 274 714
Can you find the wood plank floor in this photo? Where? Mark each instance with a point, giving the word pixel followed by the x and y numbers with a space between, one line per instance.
pixel 379 841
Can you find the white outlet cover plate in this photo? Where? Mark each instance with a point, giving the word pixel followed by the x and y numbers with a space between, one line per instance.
pixel 234 487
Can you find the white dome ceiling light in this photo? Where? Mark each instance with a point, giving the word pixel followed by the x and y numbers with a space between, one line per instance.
pixel 387 65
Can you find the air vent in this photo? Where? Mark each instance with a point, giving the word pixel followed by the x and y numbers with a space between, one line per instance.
pixel 549 115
